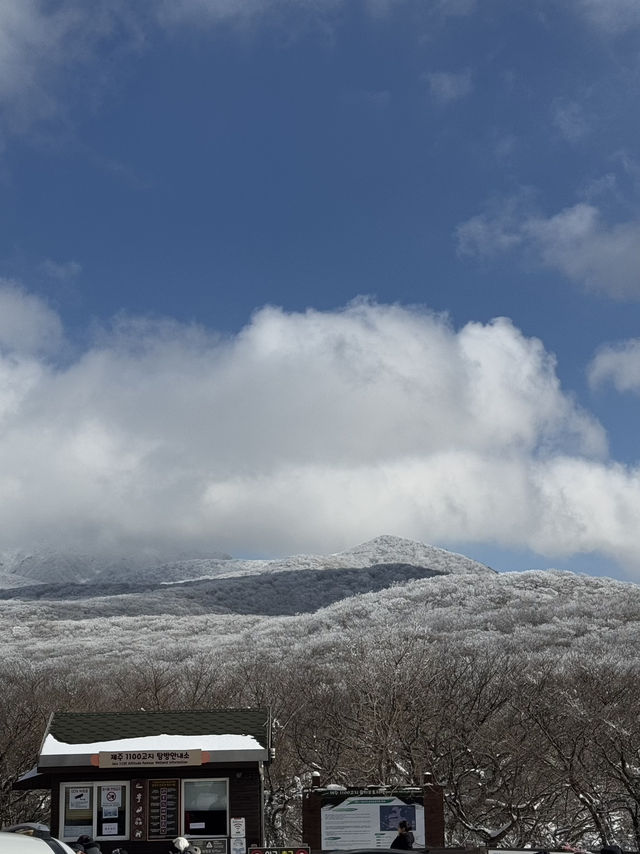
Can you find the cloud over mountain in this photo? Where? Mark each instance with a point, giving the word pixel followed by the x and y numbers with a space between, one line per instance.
pixel 304 431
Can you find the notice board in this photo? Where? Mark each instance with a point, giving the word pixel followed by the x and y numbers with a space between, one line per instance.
pixel 164 820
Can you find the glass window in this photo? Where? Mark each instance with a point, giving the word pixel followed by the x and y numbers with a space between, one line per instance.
pixel 99 810
pixel 77 805
pixel 204 807
pixel 112 810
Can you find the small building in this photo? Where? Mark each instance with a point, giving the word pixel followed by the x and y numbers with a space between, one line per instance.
pixel 136 779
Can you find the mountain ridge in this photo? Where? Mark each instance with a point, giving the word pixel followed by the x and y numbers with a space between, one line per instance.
pixel 312 602
pixel 49 566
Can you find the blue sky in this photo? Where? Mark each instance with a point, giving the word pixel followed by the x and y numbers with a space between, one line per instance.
pixel 252 255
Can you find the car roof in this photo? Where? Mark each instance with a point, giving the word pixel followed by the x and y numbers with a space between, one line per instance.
pixel 19 843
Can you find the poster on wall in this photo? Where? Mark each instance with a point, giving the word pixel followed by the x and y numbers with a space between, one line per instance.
pixel 111 796
pixel 163 809
pixel 364 821
pixel 210 845
pixel 79 797
pixel 237 828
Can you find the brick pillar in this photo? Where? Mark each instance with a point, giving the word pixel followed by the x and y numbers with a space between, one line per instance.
pixel 311 820
pixel 433 816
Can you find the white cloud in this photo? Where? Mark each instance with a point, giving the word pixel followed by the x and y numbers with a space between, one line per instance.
pixel 486 235
pixel 27 325
pixel 171 12
pixel 618 364
pixel 570 120
pixel 49 52
pixel 204 13
pixel 179 11
pixel 447 86
pixel 602 257
pixel 604 187
pixel 61 270
pixel 52 54
pixel 40 43
pixel 611 16
pixel 302 432
pixel 576 241
pixel 558 507
pixel 29 40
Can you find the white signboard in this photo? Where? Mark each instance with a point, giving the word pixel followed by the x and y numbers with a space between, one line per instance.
pixel 148 758
pixel 109 828
pixel 237 830
pixel 111 796
pixel 238 845
pixel 79 798
pixel 75 830
pixel 369 822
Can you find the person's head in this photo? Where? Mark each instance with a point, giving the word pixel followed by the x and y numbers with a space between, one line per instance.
pixel 403 827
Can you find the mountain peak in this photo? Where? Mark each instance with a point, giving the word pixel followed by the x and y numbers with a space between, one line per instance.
pixel 387 548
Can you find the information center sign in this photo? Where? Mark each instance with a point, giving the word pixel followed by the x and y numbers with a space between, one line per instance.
pixel 150 758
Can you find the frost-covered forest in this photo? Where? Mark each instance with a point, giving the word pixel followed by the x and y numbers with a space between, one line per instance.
pixel 518 692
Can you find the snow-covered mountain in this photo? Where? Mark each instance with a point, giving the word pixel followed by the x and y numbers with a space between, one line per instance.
pixel 225 603
pixel 296 585
pixel 391 636
pixel 48 567
pixel 381 550
pixel 45 565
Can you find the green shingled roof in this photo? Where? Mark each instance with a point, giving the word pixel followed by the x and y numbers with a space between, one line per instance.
pixel 84 728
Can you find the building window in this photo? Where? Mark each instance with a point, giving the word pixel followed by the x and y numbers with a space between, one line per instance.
pixel 99 810
pixel 204 807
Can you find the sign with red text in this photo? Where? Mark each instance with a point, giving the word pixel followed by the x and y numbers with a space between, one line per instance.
pixel 149 758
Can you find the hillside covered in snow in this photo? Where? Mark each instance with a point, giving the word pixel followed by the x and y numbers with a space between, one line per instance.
pixel 20 569
pixel 516 691
pixel 310 600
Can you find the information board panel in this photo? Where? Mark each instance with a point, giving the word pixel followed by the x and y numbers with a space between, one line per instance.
pixel 163 809
pixel 364 821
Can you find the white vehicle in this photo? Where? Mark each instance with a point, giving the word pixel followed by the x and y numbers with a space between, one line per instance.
pixel 20 843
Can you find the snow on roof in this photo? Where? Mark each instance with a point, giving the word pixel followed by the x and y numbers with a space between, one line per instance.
pixel 221 735
pixel 210 743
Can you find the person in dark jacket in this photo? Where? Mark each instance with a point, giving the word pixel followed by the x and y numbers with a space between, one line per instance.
pixel 410 837
pixel 404 839
pixel 87 845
